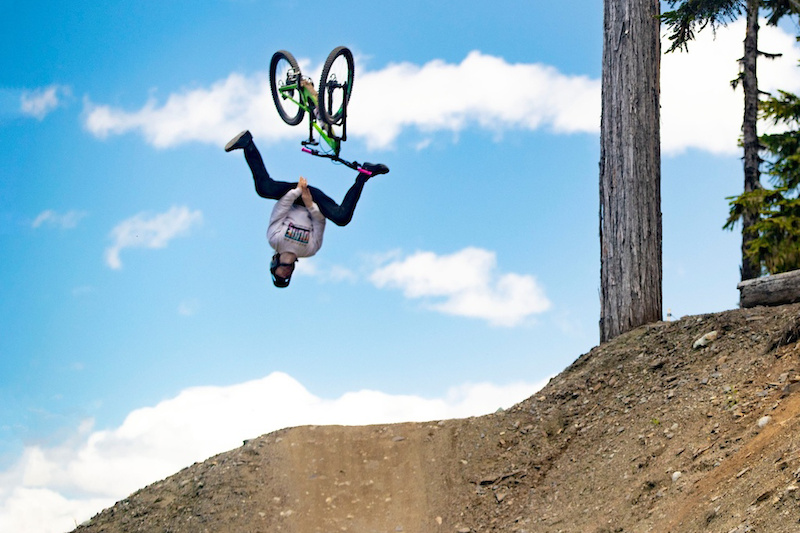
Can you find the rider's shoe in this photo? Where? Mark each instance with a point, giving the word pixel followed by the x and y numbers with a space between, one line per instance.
pixel 375 168
pixel 240 141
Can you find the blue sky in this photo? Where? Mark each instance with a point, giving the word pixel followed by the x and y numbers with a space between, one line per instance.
pixel 139 331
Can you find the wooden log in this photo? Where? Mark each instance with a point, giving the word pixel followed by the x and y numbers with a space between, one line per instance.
pixel 777 289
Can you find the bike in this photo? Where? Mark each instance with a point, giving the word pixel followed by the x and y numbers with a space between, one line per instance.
pixel 294 97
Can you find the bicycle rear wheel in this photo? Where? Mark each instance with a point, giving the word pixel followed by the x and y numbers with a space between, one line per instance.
pixel 336 85
pixel 284 82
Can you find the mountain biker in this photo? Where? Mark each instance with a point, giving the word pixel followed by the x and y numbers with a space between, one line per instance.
pixel 298 219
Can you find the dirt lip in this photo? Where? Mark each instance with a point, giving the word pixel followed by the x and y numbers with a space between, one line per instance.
pixel 642 434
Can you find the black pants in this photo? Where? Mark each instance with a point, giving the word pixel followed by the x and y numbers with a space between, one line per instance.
pixel 266 187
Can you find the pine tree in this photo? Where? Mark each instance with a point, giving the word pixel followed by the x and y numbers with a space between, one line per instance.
pixel 775 237
pixel 696 15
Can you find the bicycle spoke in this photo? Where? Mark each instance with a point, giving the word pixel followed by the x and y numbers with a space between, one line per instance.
pixel 284 78
pixel 336 85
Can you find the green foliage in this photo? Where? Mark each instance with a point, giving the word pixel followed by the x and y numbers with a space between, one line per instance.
pixel 776 212
pixel 692 16
pixel 695 15
pixel 784 165
pixel 780 8
pixel 776 243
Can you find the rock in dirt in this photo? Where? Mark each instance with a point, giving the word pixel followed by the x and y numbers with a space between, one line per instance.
pixel 705 340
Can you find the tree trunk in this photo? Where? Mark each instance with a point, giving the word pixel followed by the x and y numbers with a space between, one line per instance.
pixel 750 269
pixel 630 168
pixel 778 289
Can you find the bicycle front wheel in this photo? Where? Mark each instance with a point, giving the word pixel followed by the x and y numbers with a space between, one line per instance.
pixel 335 85
pixel 284 82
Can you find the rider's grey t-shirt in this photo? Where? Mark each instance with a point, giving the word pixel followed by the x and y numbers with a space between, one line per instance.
pixel 295 228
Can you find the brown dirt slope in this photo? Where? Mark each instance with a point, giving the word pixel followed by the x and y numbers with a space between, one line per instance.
pixel 644 433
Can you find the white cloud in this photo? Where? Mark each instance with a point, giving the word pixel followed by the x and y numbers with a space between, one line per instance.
pixel 465 283
pixel 49 490
pixel 44 511
pixel 40 102
pixel 68 220
pixel 322 270
pixel 441 96
pixel 209 115
pixel 385 102
pixel 150 231
pixel 699 109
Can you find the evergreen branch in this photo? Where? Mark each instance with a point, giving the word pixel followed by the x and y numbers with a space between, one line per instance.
pixel 768 55
pixel 779 9
pixel 696 15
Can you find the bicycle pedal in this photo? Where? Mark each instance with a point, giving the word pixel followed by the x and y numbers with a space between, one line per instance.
pixel 310 143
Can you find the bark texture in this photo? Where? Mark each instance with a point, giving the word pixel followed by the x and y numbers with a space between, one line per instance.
pixel 778 289
pixel 630 168
pixel 750 269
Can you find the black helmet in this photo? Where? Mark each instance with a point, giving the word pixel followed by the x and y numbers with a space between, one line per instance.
pixel 277 280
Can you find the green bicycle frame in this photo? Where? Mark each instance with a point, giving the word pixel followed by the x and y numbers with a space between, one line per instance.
pixel 305 96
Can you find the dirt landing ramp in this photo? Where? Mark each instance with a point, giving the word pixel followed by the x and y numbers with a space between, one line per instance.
pixel 648 433
pixel 374 479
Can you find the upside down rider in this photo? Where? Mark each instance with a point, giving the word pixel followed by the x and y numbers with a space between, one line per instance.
pixel 297 223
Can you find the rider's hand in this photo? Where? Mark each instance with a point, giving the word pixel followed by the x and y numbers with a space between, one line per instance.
pixel 308 201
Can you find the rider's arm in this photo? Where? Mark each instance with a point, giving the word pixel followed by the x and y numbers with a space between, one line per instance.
pixel 305 194
pixel 279 212
pixel 285 203
pixel 318 223
pixel 308 201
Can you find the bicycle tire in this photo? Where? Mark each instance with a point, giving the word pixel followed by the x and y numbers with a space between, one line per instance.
pixel 283 70
pixel 336 85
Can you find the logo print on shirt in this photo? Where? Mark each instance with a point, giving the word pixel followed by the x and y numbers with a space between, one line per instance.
pixel 298 234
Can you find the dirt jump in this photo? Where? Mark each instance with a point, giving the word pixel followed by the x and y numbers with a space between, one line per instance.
pixel 676 427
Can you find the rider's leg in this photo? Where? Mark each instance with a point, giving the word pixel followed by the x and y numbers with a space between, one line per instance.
pixel 266 187
pixel 341 215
